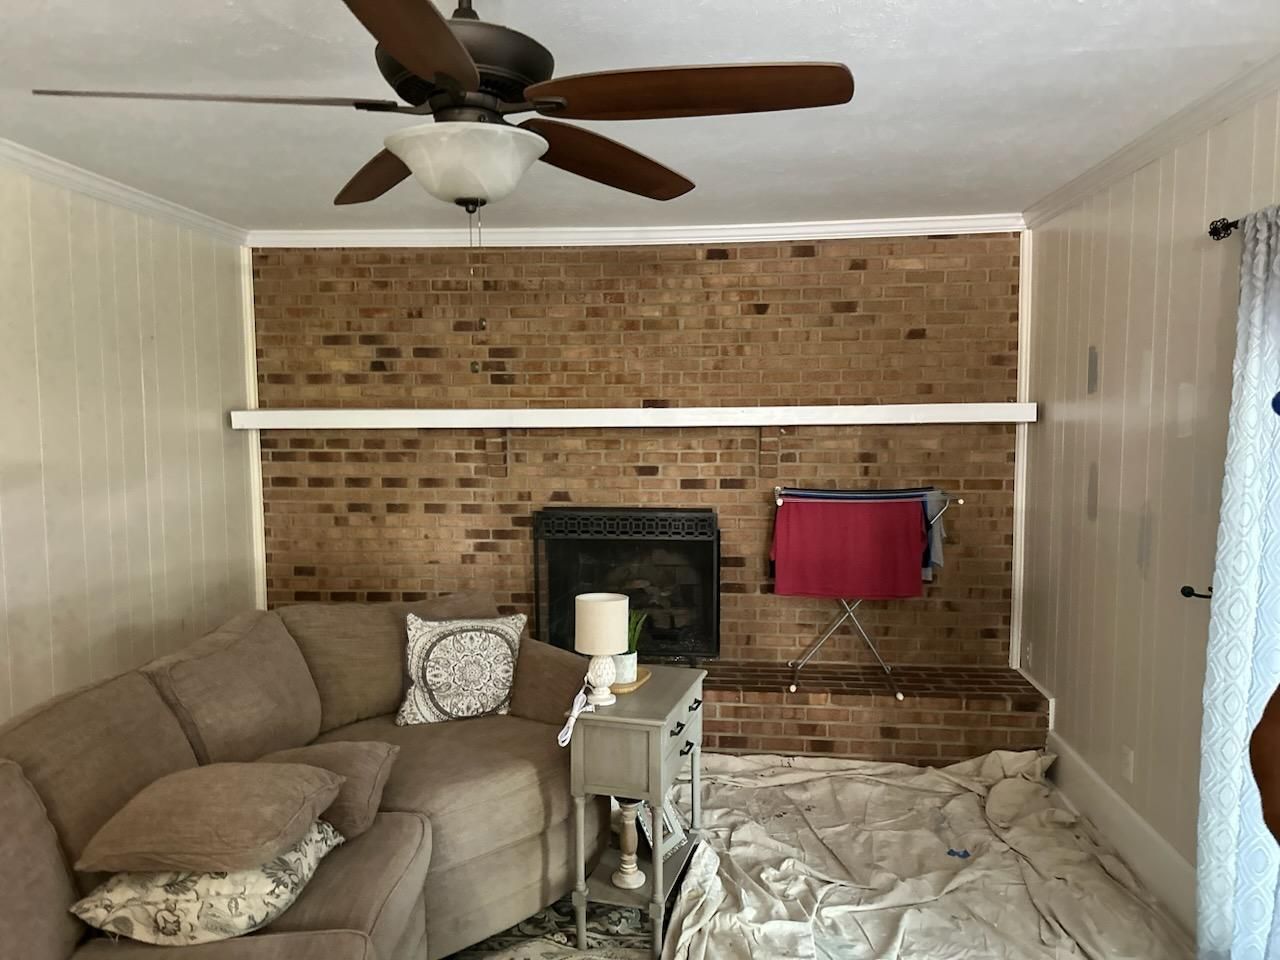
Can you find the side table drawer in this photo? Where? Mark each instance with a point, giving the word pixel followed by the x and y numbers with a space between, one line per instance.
pixel 614 758
pixel 678 749
pixel 682 718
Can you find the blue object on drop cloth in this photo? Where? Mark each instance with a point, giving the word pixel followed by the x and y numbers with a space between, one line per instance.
pixel 1275 403
pixel 959 854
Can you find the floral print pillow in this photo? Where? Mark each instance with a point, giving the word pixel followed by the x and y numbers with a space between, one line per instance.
pixel 176 909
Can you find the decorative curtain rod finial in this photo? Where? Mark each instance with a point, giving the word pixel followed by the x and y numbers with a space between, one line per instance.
pixel 1222 228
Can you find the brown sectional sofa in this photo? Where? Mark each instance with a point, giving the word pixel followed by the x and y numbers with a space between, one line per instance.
pixel 474 833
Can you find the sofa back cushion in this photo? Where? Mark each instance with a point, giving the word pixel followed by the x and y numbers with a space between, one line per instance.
pixel 36 889
pixel 87 753
pixel 241 691
pixel 356 651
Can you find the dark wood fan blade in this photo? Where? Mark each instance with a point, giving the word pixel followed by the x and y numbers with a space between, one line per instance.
pixel 606 161
pixel 414 32
pixel 695 91
pixel 372 180
pixel 389 106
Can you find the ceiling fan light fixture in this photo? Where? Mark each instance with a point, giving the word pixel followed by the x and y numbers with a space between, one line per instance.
pixel 467 161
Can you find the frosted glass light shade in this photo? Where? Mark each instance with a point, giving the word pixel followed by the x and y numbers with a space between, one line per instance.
pixel 600 623
pixel 463 160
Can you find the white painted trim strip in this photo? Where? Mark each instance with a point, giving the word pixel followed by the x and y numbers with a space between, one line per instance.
pixel 632 417
pixel 642 236
pixel 1184 125
pixel 1026 333
pixel 43 167
pixel 257 518
pixel 1044 692
pixel 1166 873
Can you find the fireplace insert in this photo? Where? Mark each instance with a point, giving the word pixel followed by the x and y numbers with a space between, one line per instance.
pixel 667 561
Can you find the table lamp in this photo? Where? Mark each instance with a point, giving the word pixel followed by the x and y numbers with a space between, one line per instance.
pixel 600 631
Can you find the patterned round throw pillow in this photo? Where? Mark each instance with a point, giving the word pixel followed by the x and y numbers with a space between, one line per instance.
pixel 460 668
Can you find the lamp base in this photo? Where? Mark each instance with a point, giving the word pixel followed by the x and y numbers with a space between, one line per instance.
pixel 601 673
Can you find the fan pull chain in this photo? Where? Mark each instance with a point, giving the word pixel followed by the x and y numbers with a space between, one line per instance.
pixel 475 243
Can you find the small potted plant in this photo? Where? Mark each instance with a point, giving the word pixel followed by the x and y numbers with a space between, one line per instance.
pixel 624 664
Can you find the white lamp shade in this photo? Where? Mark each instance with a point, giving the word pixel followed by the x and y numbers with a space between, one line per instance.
pixel 463 160
pixel 600 623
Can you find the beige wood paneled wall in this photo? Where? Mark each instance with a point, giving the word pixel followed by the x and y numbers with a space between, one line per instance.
pixel 126 503
pixel 1125 468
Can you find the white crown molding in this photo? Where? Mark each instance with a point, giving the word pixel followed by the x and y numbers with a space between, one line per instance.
pixel 643 236
pixel 1187 123
pixel 631 417
pixel 64 174
pixel 52 170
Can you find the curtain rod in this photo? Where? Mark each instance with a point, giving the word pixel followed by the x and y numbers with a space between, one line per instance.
pixel 1222 228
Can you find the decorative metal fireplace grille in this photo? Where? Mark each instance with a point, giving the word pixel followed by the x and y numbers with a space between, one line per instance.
pixel 666 561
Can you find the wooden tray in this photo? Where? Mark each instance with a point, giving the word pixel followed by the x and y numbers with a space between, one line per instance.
pixel 642 675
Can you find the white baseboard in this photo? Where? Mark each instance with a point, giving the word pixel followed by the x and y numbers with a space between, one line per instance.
pixel 1166 873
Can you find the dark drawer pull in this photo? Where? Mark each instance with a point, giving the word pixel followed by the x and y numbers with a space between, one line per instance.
pixel 687 748
pixel 679 727
pixel 695 705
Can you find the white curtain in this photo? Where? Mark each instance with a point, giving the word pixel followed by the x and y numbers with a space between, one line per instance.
pixel 1238 861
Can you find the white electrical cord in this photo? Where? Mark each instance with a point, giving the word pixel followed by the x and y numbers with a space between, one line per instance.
pixel 580 706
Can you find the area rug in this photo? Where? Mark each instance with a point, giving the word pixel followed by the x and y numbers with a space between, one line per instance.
pixel 817 859
pixel 613 933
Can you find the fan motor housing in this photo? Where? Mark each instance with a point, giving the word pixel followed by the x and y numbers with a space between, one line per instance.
pixel 507 59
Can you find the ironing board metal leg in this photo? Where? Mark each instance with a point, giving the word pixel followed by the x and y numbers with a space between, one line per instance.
pixel 798 665
pixel 888 671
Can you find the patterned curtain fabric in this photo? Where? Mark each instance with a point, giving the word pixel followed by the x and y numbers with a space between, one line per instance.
pixel 1238 862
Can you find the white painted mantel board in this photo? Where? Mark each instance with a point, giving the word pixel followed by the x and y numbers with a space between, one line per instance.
pixel 631 417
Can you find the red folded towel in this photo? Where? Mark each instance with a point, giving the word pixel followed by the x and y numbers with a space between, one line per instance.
pixel 850 549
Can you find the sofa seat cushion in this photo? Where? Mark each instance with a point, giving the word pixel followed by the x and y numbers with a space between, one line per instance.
pixel 484 783
pixel 35 885
pixel 372 884
pixel 89 752
pixel 356 651
pixel 241 691
pixel 478 899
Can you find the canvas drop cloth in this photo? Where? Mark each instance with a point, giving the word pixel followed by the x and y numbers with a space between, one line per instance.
pixel 816 858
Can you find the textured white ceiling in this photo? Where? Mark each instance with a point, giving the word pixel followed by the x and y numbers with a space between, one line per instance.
pixel 962 106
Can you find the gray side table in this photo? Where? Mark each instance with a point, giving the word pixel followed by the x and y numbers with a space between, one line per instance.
pixel 634 749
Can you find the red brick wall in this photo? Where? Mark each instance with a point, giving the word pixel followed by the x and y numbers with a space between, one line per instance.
pixel 389 514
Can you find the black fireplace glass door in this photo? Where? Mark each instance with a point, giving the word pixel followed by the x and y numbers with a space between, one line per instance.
pixel 674 581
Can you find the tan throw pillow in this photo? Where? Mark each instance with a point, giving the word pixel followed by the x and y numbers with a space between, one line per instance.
pixel 364 767
pixel 179 909
pixel 224 816
pixel 460 668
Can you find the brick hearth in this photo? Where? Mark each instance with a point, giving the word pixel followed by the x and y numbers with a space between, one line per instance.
pixel 949 714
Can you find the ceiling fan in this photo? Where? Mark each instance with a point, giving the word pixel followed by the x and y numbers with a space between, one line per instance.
pixel 470 75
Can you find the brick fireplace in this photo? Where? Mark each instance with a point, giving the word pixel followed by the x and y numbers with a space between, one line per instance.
pixel 392 514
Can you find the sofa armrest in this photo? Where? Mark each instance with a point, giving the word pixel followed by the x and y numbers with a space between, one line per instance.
pixel 329 944
pixel 547 678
